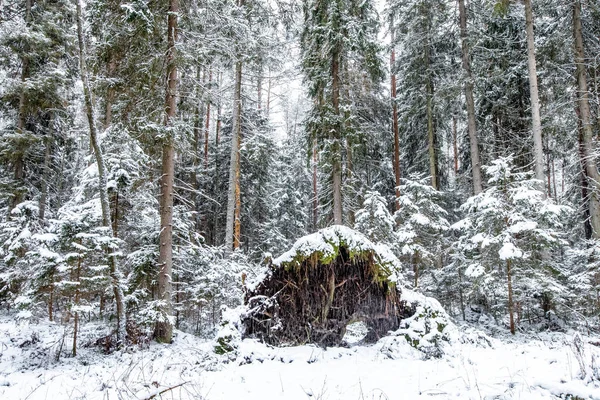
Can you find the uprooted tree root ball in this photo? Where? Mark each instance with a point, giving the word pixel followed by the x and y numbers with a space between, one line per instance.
pixel 327 281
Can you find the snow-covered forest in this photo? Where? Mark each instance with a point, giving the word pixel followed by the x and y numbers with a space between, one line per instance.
pixel 216 199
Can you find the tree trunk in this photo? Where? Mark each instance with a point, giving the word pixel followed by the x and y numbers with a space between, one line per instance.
pixel 534 97
pixel 234 170
pixel 416 268
pixel 315 207
pixel 164 327
pixel 461 294
pixel 395 120
pixel 587 226
pixel 510 297
pixel 259 83
pixel 216 180
pixel 553 171
pixel 471 122
pixel 433 170
pixel 46 171
pixel 549 169
pixel 455 147
pixel 588 153
pixel 19 167
pixel 51 300
pixel 268 106
pixel 336 167
pixel 197 129
pixel 110 93
pixel 198 111
pixel 597 92
pixel 76 303
pixel 114 272
pixel 349 178
pixel 115 220
pixel 207 122
pixel 218 127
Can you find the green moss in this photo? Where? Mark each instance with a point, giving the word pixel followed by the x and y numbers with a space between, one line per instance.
pixel 223 345
pixel 441 327
pixel 413 342
pixel 381 272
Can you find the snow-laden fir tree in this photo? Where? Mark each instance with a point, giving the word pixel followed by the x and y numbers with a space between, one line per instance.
pixel 506 247
pixel 375 221
pixel 422 224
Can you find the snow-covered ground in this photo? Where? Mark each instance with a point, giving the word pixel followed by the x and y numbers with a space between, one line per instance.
pixel 474 367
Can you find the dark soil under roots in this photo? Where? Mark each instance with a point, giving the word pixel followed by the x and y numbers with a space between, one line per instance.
pixel 313 302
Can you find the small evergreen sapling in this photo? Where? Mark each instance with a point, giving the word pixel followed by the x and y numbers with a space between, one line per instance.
pixel 421 223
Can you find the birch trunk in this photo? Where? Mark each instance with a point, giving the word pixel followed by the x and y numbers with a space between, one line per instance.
pixel 114 272
pixel 534 97
pixel 471 122
pixel 587 151
pixel 164 327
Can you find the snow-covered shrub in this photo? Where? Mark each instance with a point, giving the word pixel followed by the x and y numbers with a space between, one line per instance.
pixel 589 369
pixel 429 327
pixel 16 241
pixel 229 335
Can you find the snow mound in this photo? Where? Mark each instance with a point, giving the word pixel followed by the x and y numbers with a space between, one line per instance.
pixel 428 330
pixel 229 335
pixel 327 242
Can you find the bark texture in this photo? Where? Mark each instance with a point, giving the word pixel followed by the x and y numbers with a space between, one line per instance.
pixel 234 170
pixel 164 327
pixel 534 97
pixel 471 122
pixel 336 165
pixel 395 127
pixel 587 151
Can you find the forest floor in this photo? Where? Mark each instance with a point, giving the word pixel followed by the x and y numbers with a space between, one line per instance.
pixel 475 366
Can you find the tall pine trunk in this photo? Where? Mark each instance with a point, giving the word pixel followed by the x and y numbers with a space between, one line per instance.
pixel 510 296
pixel 19 164
pixel 336 164
pixel 588 154
pixel 114 272
pixel 587 226
pixel 534 97
pixel 433 169
pixel 471 122
pixel 164 327
pixel 395 127
pixel 231 242
pixel 46 172
pixel 207 121
pixel 315 206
